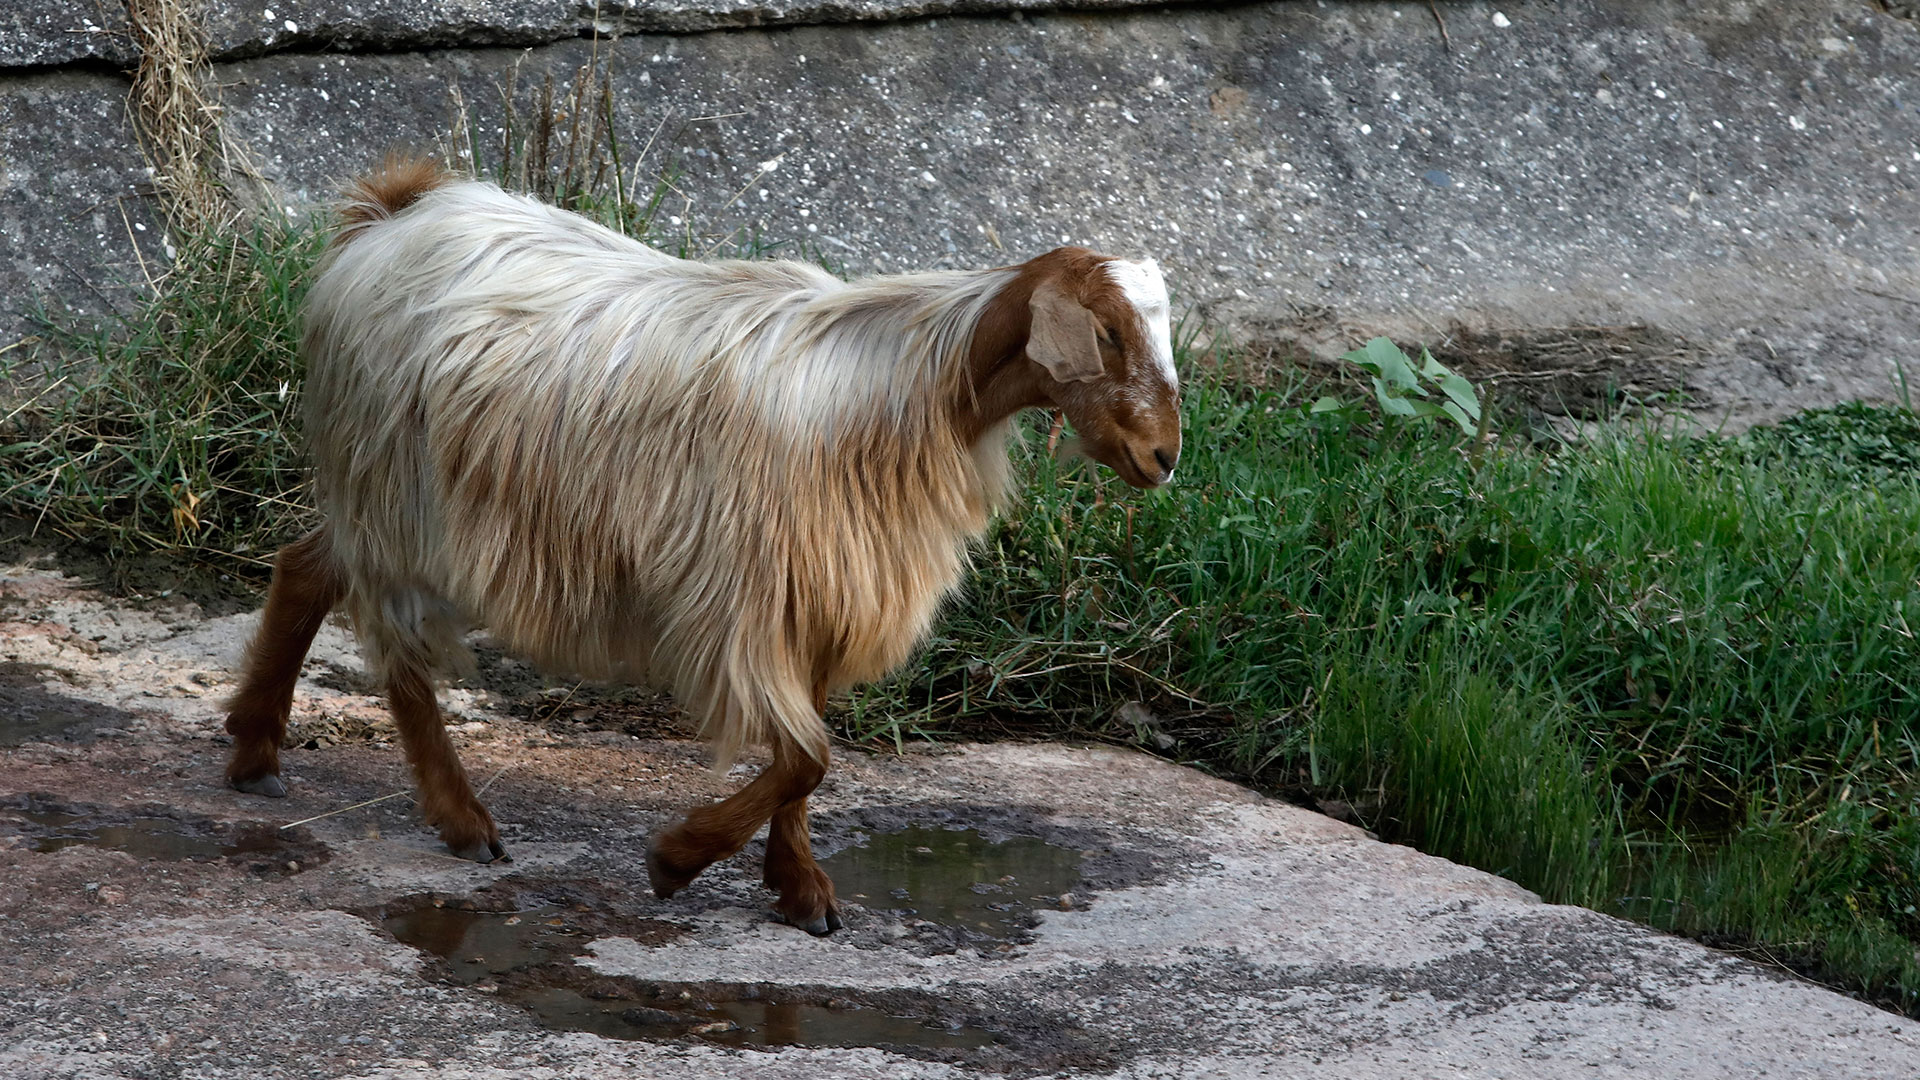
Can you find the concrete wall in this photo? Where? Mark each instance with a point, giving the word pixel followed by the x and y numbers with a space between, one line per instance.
pixel 1742 177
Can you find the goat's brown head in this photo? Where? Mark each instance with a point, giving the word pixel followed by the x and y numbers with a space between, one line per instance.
pixel 1101 330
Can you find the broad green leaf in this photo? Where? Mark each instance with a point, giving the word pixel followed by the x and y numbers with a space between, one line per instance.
pixel 1451 384
pixel 1385 360
pixel 1461 393
pixel 1397 404
pixel 1328 404
pixel 1467 424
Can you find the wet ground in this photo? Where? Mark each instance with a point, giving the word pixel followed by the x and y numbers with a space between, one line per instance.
pixel 956 877
pixel 527 958
pixel 1011 910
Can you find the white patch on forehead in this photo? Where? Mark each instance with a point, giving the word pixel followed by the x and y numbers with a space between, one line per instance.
pixel 1146 290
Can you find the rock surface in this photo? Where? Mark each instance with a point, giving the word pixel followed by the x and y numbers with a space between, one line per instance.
pixel 1744 178
pixel 1201 931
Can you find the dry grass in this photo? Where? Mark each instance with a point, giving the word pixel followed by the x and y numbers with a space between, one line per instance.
pixel 176 112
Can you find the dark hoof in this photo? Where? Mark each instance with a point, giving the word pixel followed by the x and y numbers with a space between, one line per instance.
pixel 269 785
pixel 664 880
pixel 819 925
pixel 486 851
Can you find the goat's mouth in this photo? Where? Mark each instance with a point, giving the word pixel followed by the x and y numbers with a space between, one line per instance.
pixel 1115 455
pixel 1140 477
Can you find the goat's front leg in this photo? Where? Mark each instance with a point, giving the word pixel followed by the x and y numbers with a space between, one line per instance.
pixel 711 833
pixel 446 797
pixel 806 892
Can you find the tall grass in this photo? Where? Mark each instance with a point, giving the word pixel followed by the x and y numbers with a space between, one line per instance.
pixel 170 426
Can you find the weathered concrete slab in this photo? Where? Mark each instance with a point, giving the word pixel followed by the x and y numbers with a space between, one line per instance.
pixel 45 33
pixel 74 205
pixel 1744 177
pixel 1209 932
pixel 39 33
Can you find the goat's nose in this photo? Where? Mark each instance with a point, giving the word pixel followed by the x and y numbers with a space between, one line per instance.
pixel 1167 462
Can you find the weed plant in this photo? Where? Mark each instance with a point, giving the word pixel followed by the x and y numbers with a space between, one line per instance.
pixel 171 426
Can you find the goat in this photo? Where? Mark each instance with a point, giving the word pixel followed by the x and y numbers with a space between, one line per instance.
pixel 749 482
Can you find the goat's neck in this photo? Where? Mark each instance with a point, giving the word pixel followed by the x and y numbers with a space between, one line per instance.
pixel 1000 380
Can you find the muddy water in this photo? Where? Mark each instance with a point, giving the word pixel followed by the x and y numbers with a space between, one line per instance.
pixel 957 877
pixel 481 946
pixel 147 837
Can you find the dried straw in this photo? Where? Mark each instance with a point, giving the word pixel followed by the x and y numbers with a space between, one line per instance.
pixel 176 112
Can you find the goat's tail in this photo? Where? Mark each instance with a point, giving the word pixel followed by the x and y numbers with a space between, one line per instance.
pixel 387 190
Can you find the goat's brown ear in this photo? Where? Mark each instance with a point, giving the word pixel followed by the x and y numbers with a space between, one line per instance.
pixel 1061 337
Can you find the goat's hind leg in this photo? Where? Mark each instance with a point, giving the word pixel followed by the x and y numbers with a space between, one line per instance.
pixel 806 892
pixel 446 796
pixel 306 586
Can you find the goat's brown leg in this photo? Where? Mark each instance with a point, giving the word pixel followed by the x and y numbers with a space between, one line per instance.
pixel 806 892
pixel 714 832
pixel 446 797
pixel 306 586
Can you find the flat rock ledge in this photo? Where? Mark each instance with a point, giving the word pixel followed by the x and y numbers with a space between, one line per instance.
pixel 1209 932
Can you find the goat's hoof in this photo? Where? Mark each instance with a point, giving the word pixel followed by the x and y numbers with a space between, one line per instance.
pixel 808 903
pixel 269 785
pixel 818 925
pixel 665 880
pixel 482 851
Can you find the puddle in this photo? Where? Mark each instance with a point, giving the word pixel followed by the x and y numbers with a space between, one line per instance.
pixel 479 945
pixel 156 837
pixel 18 728
pixel 957 877
pixel 507 951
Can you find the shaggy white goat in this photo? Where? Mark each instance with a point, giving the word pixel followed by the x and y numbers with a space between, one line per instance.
pixel 749 482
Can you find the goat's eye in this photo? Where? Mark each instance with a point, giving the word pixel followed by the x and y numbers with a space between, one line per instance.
pixel 1105 335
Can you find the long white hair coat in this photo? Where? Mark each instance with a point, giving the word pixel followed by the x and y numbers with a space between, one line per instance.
pixel 738 479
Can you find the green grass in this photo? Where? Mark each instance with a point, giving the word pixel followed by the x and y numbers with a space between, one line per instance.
pixel 1667 677
pixel 170 426
pixel 1663 676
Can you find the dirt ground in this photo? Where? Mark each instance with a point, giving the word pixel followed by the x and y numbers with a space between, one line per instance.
pixel 1012 909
